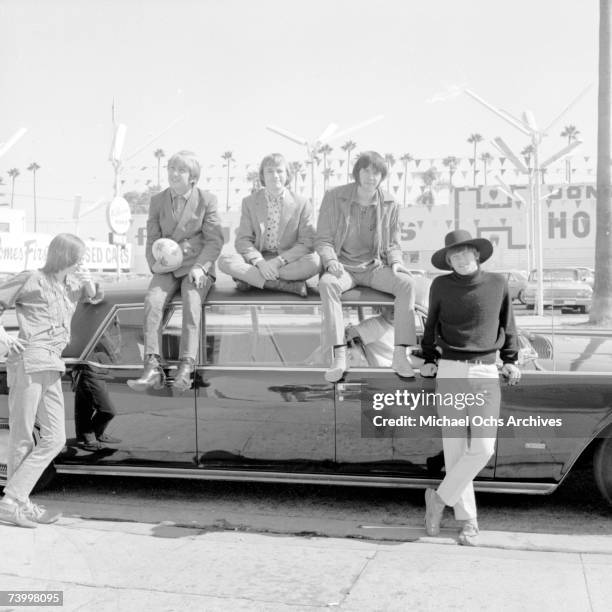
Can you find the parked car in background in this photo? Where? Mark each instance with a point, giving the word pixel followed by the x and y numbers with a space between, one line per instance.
pixel 563 287
pixel 260 408
pixel 517 283
pixel 587 275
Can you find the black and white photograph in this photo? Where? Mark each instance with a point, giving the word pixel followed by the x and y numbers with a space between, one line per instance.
pixel 305 305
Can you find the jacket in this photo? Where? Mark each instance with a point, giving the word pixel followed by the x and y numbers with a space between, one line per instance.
pixel 333 224
pixel 295 231
pixel 198 231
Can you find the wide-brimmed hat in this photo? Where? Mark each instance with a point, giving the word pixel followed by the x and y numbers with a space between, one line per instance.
pixel 461 238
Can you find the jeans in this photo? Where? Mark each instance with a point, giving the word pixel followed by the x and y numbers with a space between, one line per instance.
pixel 33 397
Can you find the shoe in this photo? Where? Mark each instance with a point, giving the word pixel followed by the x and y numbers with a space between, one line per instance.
pixel 339 365
pixel 469 534
pixel 182 380
pixel 400 365
pixel 297 287
pixel 90 443
pixel 241 285
pixel 39 514
pixel 434 510
pixel 13 514
pixel 152 377
pixel 106 439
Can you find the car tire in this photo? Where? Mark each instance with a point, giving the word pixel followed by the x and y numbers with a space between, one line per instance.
pixel 602 468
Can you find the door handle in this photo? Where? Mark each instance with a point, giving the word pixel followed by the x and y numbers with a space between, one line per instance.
pixel 342 388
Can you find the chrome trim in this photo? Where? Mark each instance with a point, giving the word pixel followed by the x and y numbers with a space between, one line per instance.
pixel 279 477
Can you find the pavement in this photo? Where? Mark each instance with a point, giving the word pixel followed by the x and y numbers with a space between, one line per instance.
pixel 105 565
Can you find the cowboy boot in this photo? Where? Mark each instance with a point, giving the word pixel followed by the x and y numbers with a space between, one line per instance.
pixel 152 377
pixel 339 364
pixel 297 287
pixel 182 380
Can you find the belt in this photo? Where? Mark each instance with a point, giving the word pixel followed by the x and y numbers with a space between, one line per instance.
pixel 473 361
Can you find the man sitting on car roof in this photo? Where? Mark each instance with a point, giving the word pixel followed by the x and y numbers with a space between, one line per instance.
pixel 275 238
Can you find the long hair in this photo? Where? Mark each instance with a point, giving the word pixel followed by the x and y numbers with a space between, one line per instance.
pixel 189 160
pixel 367 159
pixel 64 251
pixel 275 159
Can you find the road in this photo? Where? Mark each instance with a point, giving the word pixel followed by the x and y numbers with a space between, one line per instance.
pixel 322 510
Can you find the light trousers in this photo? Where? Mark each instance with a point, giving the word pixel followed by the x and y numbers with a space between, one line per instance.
pixel 400 285
pixel 33 397
pixel 161 290
pixel 299 270
pixel 467 449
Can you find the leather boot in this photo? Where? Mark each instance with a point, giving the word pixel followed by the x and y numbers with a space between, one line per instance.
pixel 339 365
pixel 152 377
pixel 182 380
pixel 297 287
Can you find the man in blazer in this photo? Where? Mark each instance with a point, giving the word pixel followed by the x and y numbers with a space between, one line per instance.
pixel 275 239
pixel 188 216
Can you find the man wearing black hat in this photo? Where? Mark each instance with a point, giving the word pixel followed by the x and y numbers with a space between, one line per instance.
pixel 470 319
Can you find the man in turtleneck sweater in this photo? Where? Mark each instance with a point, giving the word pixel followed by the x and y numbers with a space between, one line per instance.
pixel 470 318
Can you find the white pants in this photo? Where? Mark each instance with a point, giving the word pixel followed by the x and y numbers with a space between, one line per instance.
pixel 36 396
pixel 467 449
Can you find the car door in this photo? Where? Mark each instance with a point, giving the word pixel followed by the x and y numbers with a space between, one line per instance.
pixel 410 446
pixel 262 401
pixel 155 428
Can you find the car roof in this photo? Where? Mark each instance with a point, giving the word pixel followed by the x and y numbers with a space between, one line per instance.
pixel 224 291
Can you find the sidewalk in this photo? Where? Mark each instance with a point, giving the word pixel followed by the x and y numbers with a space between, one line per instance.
pixel 105 565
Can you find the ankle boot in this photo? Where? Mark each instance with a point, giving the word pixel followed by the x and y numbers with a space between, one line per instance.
pixel 297 287
pixel 339 365
pixel 182 380
pixel 152 377
pixel 400 365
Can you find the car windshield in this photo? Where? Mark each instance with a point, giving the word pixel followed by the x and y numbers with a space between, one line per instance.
pixel 555 275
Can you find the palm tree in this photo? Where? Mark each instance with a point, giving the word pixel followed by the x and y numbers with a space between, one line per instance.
pixel 325 150
pixel 348 146
pixel 227 156
pixel 327 174
pixel 486 158
pixel 390 159
pixel 13 173
pixel 601 310
pixel 253 178
pixel 33 168
pixel 429 177
pixel 571 133
pixel 474 139
pixel 159 153
pixel 451 162
pixel 296 168
pixel 405 158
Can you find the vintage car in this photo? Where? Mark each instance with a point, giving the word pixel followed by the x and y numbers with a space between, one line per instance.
pixel 260 409
pixel 564 287
pixel 517 283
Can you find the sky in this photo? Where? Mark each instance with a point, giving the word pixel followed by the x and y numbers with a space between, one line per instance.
pixel 219 71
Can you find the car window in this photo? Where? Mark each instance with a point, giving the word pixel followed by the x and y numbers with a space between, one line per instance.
pixel 122 341
pixel 268 335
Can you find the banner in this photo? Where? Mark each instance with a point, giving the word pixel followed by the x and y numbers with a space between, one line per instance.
pixel 28 251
